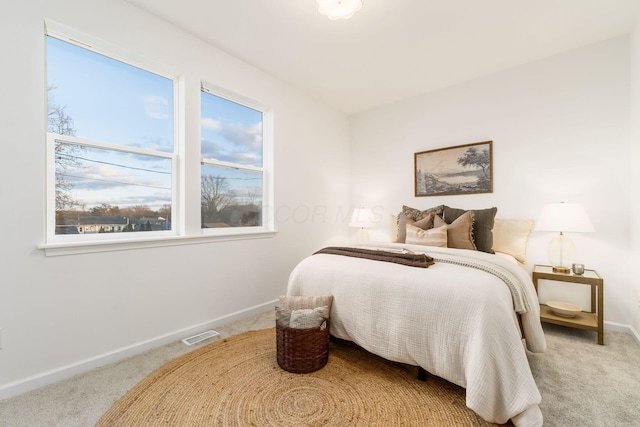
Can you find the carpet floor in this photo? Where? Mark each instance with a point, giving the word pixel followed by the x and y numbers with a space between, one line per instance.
pixel 581 382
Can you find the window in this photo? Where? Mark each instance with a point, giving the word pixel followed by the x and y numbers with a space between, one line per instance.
pixel 119 171
pixel 232 172
pixel 111 133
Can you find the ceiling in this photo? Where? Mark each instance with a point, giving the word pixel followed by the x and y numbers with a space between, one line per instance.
pixel 393 49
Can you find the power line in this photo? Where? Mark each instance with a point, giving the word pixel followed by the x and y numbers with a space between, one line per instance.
pixel 117 182
pixel 69 157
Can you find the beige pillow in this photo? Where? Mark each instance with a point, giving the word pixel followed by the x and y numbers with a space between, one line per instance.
pixel 424 223
pixel 431 237
pixel 459 232
pixel 510 236
pixel 409 215
pixel 295 302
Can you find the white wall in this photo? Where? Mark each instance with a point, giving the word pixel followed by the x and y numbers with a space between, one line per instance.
pixel 560 131
pixel 61 315
pixel 634 296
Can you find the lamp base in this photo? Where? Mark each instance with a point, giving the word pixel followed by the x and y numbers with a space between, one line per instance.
pixel 562 254
pixel 363 235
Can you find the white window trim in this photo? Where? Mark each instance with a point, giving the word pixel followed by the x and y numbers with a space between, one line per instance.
pixel 180 233
pixel 74 248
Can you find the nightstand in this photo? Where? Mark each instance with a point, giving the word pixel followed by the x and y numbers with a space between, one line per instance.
pixel 591 321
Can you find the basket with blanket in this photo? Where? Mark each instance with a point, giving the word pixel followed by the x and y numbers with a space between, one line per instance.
pixel 302 333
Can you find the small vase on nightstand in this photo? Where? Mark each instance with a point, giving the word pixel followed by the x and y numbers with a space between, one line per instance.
pixel 578 269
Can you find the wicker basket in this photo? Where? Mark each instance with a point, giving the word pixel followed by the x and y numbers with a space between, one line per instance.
pixel 302 350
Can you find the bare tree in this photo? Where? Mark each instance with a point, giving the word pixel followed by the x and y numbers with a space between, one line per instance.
pixel 59 122
pixel 216 194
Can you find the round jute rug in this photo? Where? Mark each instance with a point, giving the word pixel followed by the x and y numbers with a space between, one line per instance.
pixel 237 382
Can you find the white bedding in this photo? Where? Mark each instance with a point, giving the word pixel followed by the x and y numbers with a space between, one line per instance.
pixel 454 321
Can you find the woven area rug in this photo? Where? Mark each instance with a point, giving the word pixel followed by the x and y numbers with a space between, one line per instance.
pixel 237 382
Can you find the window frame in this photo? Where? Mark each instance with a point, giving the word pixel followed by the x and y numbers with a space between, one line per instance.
pixel 52 139
pixel 267 162
pixel 183 179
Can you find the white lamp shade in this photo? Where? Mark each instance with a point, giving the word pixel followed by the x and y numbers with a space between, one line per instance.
pixel 362 217
pixel 564 217
pixel 339 9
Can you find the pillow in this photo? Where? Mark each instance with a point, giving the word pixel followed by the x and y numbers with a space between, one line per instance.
pixel 417 214
pixel 302 318
pixel 283 317
pixel 410 215
pixel 510 236
pixel 459 232
pixel 295 302
pixel 483 221
pixel 424 223
pixel 306 318
pixel 431 237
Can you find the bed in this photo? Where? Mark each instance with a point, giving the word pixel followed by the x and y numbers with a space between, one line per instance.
pixel 463 318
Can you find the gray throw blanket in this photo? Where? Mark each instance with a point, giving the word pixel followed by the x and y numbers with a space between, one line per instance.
pixel 410 259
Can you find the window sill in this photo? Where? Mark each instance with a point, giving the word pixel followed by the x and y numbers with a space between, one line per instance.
pixel 92 246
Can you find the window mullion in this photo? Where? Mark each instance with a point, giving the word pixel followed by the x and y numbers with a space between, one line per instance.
pixel 238 166
pixel 84 142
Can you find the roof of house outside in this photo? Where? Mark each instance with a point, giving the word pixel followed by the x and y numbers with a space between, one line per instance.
pixel 89 220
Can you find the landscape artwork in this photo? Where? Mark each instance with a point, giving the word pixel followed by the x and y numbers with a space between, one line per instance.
pixel 462 169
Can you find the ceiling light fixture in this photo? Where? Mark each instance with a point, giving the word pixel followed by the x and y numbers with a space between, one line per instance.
pixel 338 9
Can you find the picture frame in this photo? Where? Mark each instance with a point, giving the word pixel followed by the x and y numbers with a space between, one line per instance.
pixel 460 169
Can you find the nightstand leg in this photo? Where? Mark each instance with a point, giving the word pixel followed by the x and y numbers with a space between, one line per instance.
pixel 600 315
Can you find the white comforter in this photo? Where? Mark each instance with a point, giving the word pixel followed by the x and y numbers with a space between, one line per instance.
pixel 454 321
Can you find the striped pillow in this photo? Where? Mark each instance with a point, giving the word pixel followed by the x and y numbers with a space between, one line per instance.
pixel 431 237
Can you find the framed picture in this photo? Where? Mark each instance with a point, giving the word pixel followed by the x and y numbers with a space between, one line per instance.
pixel 462 169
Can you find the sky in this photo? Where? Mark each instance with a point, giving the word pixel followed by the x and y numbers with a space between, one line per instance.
pixel 112 102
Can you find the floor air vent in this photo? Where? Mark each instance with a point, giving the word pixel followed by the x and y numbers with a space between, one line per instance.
pixel 200 337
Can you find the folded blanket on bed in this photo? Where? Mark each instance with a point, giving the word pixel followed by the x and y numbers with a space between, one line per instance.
pixel 410 259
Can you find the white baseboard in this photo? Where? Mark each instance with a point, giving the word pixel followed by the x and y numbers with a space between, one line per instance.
pixel 635 334
pixel 617 327
pixel 52 376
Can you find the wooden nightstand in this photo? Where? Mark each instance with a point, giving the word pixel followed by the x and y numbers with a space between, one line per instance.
pixel 591 321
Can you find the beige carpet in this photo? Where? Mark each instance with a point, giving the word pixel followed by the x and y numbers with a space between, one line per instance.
pixel 237 382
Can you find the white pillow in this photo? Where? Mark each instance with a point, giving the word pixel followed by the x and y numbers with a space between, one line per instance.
pixel 431 237
pixel 305 318
pixel 510 236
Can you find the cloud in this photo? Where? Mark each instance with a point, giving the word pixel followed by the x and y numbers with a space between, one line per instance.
pixel 249 138
pixel 156 107
pixel 108 171
pixel 235 142
pixel 160 144
pixel 211 124
pixel 153 201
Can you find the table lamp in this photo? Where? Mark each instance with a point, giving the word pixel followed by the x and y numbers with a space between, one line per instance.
pixel 362 218
pixel 563 217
